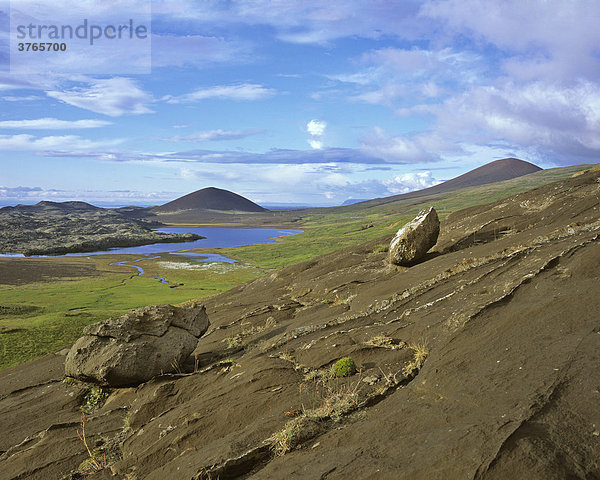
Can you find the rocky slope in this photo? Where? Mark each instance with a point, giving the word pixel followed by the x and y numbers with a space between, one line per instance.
pixel 50 228
pixel 479 362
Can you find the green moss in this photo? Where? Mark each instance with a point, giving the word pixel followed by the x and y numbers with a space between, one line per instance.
pixel 344 367
pixel 95 397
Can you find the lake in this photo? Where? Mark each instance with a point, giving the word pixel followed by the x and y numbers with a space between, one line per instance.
pixel 215 238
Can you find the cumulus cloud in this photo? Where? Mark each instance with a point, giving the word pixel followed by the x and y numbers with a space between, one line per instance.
pixel 52 124
pixel 316 130
pixel 316 127
pixel 544 116
pixel 334 184
pixel 214 135
pixel 244 91
pixel 115 97
pixel 315 144
pixel 553 39
pixel 408 182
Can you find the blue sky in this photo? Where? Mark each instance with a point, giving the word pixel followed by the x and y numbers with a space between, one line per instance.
pixel 306 102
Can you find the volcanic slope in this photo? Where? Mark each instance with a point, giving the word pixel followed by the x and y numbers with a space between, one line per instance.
pixel 496 171
pixel 479 362
pixel 210 199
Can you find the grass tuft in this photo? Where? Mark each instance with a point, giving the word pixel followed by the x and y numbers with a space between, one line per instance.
pixel 420 353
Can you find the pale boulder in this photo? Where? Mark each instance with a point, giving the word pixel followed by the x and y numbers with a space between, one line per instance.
pixel 414 239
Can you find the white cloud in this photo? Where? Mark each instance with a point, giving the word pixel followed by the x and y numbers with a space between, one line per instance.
pixel 392 76
pixel 244 91
pixel 215 135
pixel 63 142
pixel 24 98
pixel 315 144
pixel 542 116
pixel 408 182
pixel 316 127
pixel 114 96
pixel 52 124
pixel 550 37
pixel 425 147
pixel 188 173
pixel 316 130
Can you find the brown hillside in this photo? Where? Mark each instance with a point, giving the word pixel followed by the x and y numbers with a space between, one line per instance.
pixel 480 362
pixel 496 171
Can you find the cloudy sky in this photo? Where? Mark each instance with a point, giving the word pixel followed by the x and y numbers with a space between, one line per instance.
pixel 299 102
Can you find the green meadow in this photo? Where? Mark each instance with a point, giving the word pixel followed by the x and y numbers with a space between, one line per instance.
pixel 38 318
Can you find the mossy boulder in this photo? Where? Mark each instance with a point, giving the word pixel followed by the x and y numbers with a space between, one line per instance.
pixel 344 367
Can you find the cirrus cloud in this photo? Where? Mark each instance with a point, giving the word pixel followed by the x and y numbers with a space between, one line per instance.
pixel 215 135
pixel 52 124
pixel 244 92
pixel 115 97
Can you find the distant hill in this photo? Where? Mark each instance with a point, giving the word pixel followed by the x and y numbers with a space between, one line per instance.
pixel 66 207
pixel 496 171
pixel 352 201
pixel 210 199
pixel 71 205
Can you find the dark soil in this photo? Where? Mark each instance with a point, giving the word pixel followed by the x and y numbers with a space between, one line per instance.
pixel 19 271
pixel 506 307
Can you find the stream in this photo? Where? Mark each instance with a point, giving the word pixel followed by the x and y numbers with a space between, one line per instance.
pixel 127 263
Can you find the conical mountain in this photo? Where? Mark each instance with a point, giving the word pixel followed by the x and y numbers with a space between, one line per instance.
pixel 210 198
pixel 496 171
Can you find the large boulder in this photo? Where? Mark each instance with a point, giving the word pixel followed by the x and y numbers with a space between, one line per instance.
pixel 132 349
pixel 414 239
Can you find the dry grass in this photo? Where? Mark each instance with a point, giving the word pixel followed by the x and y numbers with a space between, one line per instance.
pixel 237 340
pixel 335 400
pixel 420 353
pixel 285 439
pixel 383 341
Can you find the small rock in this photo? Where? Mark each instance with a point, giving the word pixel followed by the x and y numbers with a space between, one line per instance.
pixel 414 239
pixel 371 380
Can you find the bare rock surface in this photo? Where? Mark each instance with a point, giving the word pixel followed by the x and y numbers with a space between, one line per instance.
pixel 414 239
pixel 137 346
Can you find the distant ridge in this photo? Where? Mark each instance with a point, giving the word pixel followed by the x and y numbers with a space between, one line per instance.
pixel 352 201
pixel 496 171
pixel 210 198
pixel 69 206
